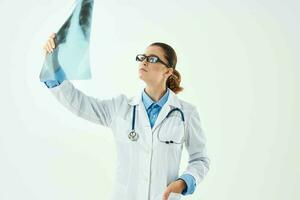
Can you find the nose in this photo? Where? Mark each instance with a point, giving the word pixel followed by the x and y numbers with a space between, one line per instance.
pixel 144 62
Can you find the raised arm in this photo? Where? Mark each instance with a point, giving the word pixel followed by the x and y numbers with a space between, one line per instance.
pixel 100 111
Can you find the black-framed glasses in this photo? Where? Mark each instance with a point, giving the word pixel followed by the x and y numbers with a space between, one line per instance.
pixel 150 59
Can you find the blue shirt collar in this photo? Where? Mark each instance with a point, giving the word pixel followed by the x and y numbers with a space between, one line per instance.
pixel 148 101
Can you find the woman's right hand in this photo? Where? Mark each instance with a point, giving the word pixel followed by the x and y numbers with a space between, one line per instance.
pixel 50 44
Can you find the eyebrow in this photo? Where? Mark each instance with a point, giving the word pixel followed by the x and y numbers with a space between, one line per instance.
pixel 151 55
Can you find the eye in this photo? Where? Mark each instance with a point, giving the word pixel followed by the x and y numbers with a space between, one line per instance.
pixel 153 59
pixel 140 57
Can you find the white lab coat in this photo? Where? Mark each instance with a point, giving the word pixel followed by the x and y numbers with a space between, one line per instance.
pixel 147 166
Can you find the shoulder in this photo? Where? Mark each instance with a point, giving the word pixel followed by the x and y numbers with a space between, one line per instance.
pixel 124 100
pixel 121 99
pixel 187 106
pixel 189 109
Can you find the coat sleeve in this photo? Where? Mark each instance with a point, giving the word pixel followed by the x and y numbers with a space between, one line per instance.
pixel 100 111
pixel 198 163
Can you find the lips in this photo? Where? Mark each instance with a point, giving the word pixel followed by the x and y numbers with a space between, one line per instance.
pixel 143 69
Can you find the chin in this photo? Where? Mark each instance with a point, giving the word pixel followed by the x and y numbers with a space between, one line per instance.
pixel 142 77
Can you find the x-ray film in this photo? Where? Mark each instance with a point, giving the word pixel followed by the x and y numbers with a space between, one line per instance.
pixel 70 57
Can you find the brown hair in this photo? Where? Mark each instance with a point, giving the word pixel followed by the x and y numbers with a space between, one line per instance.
pixel 173 82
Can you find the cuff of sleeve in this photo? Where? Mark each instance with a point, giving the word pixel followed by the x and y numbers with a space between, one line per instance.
pixel 52 83
pixel 190 182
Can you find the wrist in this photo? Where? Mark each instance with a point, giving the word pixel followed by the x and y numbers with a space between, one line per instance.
pixel 182 184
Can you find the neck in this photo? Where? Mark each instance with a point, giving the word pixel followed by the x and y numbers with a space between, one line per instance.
pixel 156 92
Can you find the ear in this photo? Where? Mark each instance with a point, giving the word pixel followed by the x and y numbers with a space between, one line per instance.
pixel 169 71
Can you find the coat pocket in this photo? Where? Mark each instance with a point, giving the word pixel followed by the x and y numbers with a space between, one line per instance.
pixel 172 196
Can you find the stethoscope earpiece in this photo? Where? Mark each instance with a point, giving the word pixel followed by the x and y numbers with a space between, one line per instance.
pixel 168 142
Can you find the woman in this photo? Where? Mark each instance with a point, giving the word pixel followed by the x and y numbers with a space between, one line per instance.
pixel 148 159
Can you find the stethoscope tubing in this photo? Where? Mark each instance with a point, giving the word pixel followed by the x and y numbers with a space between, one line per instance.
pixel 134 136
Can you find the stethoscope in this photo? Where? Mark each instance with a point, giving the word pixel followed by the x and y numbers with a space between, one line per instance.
pixel 133 135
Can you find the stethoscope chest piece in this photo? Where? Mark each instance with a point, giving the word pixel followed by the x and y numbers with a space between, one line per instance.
pixel 133 136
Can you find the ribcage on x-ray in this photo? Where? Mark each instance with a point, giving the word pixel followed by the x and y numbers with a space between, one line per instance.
pixel 70 58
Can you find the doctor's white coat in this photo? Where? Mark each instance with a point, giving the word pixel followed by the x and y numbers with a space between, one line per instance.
pixel 147 166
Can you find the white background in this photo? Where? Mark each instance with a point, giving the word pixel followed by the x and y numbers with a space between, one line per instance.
pixel 239 62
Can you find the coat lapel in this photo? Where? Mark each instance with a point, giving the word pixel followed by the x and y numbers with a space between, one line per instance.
pixel 141 113
pixel 172 102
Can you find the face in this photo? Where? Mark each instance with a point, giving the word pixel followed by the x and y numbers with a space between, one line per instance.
pixel 154 74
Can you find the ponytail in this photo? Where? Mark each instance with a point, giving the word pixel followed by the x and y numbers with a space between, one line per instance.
pixel 173 82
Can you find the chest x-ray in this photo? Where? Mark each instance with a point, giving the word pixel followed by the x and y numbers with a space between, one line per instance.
pixel 70 59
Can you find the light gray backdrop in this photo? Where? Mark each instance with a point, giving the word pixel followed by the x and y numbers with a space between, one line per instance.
pixel 239 62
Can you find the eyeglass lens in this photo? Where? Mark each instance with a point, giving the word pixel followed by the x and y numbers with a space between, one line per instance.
pixel 151 59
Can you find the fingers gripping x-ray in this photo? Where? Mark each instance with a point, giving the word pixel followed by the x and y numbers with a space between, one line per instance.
pixel 70 57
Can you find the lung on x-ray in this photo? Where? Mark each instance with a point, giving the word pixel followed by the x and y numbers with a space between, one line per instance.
pixel 70 58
